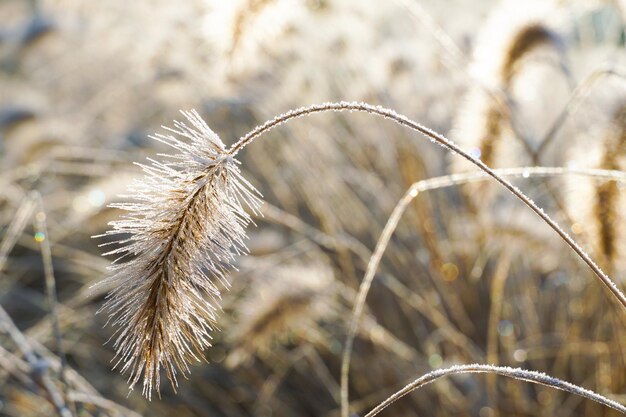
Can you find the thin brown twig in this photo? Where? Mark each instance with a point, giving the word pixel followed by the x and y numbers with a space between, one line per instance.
pixel 51 292
pixel 56 398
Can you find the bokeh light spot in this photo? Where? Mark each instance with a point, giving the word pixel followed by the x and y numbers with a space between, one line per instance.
pixel 40 237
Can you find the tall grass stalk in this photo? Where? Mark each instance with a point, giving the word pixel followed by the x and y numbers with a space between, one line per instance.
pixel 436 183
pixel 515 373
pixel 447 144
pixel 190 206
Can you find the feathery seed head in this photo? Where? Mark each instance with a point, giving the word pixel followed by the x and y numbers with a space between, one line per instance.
pixel 183 228
pixel 486 119
pixel 600 207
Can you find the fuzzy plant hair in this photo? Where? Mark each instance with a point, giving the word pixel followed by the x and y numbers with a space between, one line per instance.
pixel 185 225
pixel 601 207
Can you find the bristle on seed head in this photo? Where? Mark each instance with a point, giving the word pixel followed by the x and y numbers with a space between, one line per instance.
pixel 183 227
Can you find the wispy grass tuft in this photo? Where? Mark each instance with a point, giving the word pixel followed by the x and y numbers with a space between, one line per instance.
pixel 185 224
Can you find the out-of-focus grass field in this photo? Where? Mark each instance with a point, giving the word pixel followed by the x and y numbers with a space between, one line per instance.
pixel 470 275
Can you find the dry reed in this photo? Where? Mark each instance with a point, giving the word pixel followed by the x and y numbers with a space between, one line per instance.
pixel 516 373
pixel 193 206
pixel 607 206
pixel 288 301
pixel 486 121
pixel 333 194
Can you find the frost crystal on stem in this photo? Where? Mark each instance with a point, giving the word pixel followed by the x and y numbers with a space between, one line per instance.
pixel 184 225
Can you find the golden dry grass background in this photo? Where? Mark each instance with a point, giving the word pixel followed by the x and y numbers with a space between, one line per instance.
pixel 470 275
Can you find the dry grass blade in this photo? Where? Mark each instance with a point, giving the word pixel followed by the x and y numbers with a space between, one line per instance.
pixel 42 238
pixel 607 206
pixel 574 102
pixel 191 204
pixel 488 120
pixel 15 229
pixel 447 144
pixel 102 403
pixel 288 301
pixel 184 227
pixel 515 373
pixel 55 396
pixel 417 11
pixel 431 184
pixel 442 141
pixel 599 207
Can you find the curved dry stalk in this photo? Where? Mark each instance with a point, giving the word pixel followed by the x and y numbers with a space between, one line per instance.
pixel 432 184
pixel 447 144
pixel 418 187
pixel 515 373
pixel 440 140
pixel 574 102
pixel 191 204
